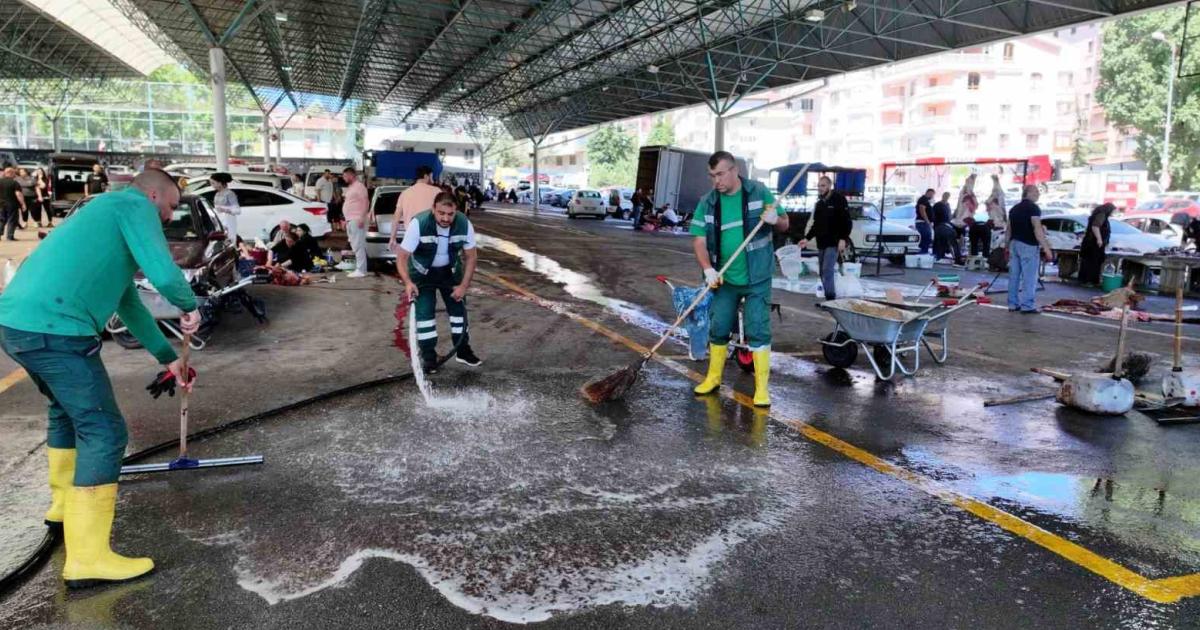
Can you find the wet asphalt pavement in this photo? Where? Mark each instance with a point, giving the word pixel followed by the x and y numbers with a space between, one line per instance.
pixel 513 501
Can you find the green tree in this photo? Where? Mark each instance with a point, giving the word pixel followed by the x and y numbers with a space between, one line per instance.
pixel 1133 91
pixel 661 134
pixel 612 157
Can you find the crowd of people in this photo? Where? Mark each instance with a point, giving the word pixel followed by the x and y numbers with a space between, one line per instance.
pixel 24 196
pixel 943 228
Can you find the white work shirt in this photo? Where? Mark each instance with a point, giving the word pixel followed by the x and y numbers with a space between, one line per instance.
pixel 670 215
pixel 324 190
pixel 412 238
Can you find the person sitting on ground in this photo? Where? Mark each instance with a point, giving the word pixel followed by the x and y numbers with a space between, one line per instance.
pixel 668 218
pixel 512 195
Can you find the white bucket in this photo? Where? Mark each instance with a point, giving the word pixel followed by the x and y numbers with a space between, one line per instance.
pixel 1097 393
pixel 792 268
pixel 852 269
pixel 912 261
pixel 925 261
pixel 788 251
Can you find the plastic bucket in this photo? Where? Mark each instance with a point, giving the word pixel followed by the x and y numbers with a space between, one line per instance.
pixel 792 267
pixel 948 280
pixel 853 269
pixel 912 261
pixel 925 261
pixel 1110 282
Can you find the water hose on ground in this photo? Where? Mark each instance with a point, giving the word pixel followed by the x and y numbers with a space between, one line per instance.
pixel 40 555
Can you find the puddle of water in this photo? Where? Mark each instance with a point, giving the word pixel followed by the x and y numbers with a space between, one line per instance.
pixel 871 288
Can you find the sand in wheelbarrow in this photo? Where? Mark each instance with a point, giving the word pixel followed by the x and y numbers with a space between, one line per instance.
pixel 873 309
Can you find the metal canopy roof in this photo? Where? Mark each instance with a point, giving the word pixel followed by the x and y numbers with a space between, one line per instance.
pixel 34 45
pixel 556 64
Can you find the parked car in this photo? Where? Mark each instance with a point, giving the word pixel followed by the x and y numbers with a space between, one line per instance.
pixel 1065 231
pixel 1163 224
pixel 315 173
pixel 1172 205
pixel 587 202
pixel 869 226
pixel 618 201
pixel 383 206
pixel 264 207
pixel 261 179
pixel 69 172
pixel 8 158
pixel 897 195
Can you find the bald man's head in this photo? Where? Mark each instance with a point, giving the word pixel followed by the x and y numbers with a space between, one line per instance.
pixel 161 189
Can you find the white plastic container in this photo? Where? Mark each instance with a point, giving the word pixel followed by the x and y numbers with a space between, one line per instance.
pixel 925 261
pixel 912 261
pixel 1097 393
pixel 852 269
pixel 792 268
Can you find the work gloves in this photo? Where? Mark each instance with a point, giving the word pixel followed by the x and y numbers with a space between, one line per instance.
pixel 712 278
pixel 165 383
pixel 770 217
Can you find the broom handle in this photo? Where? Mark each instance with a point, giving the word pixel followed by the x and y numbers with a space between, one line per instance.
pixel 700 296
pixel 183 400
pixel 721 272
pixel 1121 341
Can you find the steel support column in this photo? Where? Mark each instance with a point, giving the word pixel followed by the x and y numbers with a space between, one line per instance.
pixel 537 197
pixel 718 132
pixel 266 137
pixel 216 62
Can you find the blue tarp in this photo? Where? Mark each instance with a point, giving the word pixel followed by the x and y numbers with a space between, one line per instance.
pixel 850 181
pixel 403 164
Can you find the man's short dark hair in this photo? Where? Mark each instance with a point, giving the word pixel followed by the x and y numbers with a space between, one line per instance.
pixel 826 178
pixel 424 170
pixel 931 192
pixel 720 156
pixel 445 198
pixel 348 169
pixel 326 170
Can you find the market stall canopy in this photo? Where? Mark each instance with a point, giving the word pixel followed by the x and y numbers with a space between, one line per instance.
pixel 849 180
pixel 557 64
pixel 73 39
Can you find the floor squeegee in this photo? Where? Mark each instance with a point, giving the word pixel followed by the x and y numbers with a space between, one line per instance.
pixel 183 462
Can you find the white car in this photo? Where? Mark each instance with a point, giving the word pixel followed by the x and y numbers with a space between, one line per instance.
pixel 624 199
pixel 383 207
pixel 263 207
pixel 1065 231
pixel 869 227
pixel 587 203
pixel 897 195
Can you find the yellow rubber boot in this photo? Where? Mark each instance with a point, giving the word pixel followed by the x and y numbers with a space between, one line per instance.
pixel 86 531
pixel 716 365
pixel 62 476
pixel 762 374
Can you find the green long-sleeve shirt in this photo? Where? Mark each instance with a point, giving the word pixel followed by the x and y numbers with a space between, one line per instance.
pixel 83 272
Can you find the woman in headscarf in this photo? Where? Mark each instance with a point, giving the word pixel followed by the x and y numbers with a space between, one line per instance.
pixel 981 233
pixel 226 204
pixel 1095 241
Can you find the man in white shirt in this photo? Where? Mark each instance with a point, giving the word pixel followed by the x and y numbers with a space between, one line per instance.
pixel 325 187
pixel 438 254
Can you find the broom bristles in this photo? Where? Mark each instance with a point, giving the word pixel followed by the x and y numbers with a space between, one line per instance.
pixel 612 387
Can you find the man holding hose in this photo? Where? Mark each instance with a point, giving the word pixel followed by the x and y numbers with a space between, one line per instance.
pixel 51 317
pixel 723 220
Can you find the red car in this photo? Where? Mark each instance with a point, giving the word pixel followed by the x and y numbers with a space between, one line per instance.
pixel 1173 206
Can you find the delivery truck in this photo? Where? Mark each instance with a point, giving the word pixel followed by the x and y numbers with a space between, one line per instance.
pixel 675 176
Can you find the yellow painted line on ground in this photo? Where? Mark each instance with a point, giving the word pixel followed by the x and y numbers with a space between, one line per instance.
pixel 1165 590
pixel 12 378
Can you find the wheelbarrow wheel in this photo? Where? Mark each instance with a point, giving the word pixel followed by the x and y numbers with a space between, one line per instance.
pixel 843 356
pixel 883 356
pixel 745 359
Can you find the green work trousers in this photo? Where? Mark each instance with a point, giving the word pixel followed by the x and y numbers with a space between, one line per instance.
pixel 756 314
pixel 439 280
pixel 83 411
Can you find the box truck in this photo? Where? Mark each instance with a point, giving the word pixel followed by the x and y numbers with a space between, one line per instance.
pixel 675 176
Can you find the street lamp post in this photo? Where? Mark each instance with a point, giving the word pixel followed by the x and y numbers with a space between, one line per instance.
pixel 1165 177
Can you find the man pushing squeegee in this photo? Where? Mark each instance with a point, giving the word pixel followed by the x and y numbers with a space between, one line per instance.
pixel 51 317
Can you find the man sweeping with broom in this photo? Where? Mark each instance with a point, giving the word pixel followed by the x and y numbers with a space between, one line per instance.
pixel 51 317
pixel 723 218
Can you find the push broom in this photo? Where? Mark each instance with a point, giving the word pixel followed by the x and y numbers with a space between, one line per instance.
pixel 183 462
pixel 616 385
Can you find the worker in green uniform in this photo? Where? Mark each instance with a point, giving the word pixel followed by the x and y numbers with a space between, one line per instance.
pixel 721 222
pixel 51 317
pixel 438 255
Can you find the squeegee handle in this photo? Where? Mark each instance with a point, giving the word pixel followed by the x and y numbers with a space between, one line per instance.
pixel 183 399
pixel 721 272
